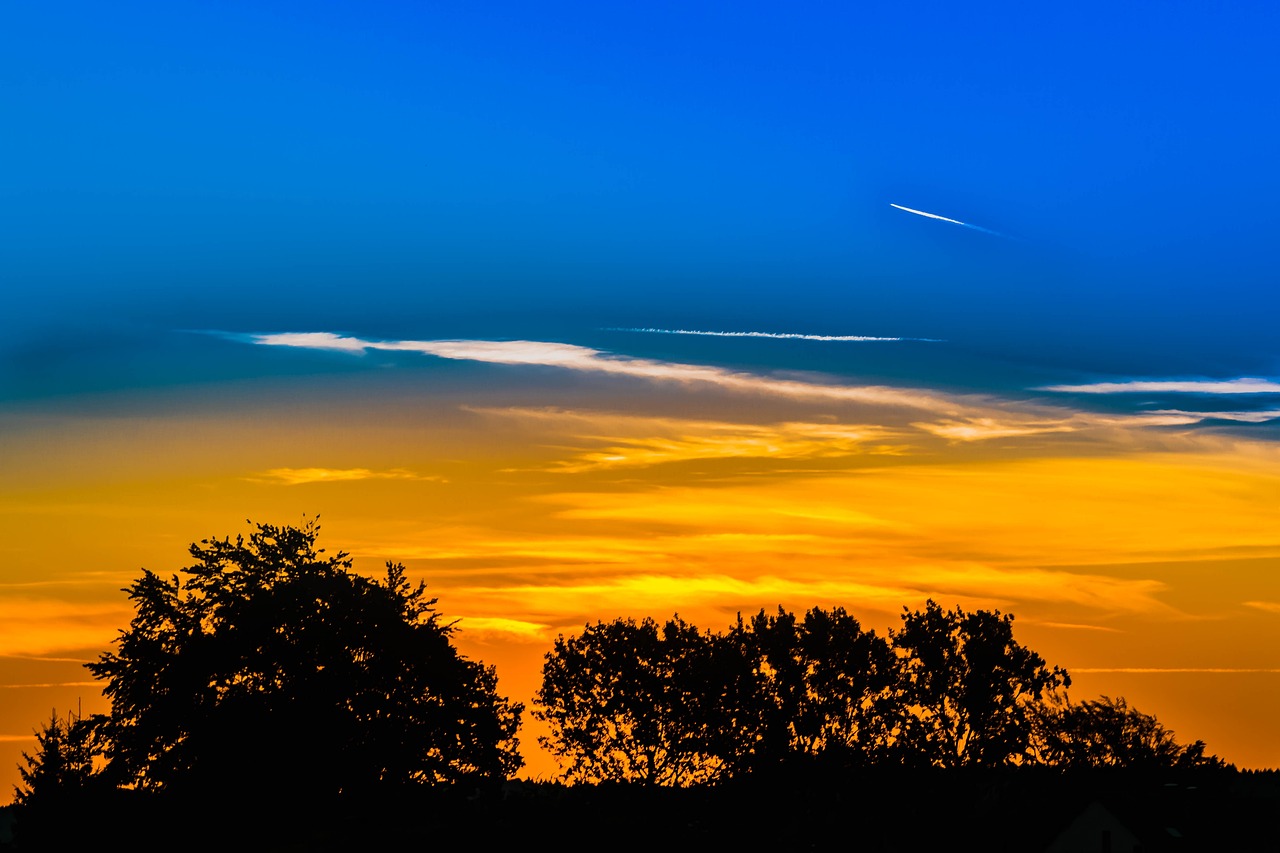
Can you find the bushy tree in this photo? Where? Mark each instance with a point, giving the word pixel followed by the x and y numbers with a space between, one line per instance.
pixel 667 704
pixel 272 665
pixel 63 763
pixel 1108 732
pixel 635 701
pixel 968 687
pixel 824 687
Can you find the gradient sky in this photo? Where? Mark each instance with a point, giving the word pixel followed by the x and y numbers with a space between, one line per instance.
pixel 417 268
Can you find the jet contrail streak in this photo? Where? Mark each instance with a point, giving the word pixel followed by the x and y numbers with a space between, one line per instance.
pixel 930 215
pixel 948 219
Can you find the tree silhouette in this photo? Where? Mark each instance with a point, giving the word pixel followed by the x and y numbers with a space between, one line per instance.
pixel 1107 732
pixel 630 701
pixel 968 687
pixel 270 664
pixel 824 687
pixel 63 763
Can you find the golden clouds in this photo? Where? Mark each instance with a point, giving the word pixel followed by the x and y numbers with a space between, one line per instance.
pixel 1264 606
pixel 657 441
pixel 534 506
pixel 298 476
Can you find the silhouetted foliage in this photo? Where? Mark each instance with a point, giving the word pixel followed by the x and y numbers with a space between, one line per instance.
pixel 630 701
pixel 778 697
pixel 1107 732
pixel 63 763
pixel 824 688
pixel 968 687
pixel 270 664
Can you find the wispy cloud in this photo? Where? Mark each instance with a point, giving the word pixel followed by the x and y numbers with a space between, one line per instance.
pixel 311 340
pixel 299 476
pixel 1174 386
pixel 1076 626
pixel 628 441
pixel 963 418
pixel 885 592
pixel 1267 606
pixel 1244 417
pixel 586 359
pixel 981 428
pixel 519 630
pixel 786 336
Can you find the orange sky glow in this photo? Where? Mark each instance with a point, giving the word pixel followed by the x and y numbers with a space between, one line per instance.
pixel 1141 557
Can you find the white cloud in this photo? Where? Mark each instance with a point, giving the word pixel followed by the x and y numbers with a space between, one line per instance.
pixel 312 340
pixel 1177 386
pixel 788 336
pixel 1244 417
pixel 586 359
pixel 962 418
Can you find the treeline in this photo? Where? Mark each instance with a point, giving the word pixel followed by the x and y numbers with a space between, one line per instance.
pixel 271 671
pixel 670 705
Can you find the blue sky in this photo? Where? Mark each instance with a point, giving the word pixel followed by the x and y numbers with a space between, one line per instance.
pixel 438 169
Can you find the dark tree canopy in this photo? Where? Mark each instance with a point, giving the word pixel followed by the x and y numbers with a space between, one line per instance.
pixel 968 687
pixel 1108 732
pixel 630 701
pixel 270 662
pixel 63 763
pixel 824 687
pixel 670 705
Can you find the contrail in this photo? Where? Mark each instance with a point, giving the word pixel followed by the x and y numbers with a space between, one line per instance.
pixel 789 336
pixel 930 215
pixel 948 219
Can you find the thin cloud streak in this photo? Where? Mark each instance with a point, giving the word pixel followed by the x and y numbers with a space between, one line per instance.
pixel 786 336
pixel 1265 606
pixel 299 476
pixel 1174 386
pixel 1243 417
pixel 493 627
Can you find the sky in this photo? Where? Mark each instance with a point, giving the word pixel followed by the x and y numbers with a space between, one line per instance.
pixel 446 276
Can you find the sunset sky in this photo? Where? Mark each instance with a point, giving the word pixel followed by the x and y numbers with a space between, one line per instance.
pixel 447 275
